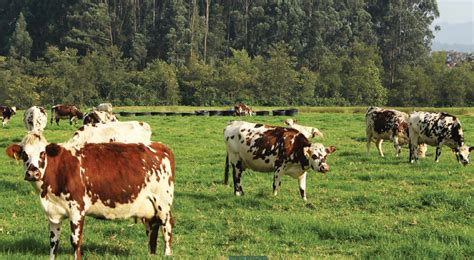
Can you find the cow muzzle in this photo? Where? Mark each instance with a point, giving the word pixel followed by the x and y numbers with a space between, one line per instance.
pixel 324 168
pixel 32 176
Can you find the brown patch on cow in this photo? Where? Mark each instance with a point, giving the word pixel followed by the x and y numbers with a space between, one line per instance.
pixel 81 128
pixel 382 121
pixel 141 123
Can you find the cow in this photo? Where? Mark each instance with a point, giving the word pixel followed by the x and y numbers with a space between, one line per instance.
pixel 96 116
pixel 105 107
pixel 106 180
pixel 265 148
pixel 124 132
pixel 241 109
pixel 35 118
pixel 388 124
pixel 307 131
pixel 437 129
pixel 65 111
pixel 7 113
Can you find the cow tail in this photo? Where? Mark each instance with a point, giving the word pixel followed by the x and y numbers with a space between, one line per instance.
pixel 226 170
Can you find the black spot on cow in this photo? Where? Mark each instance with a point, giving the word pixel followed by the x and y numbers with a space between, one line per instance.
pixel 258 125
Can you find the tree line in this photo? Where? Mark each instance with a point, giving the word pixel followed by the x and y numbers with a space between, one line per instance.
pixel 210 52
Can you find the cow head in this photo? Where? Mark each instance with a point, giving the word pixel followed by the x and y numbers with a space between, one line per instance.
pixel 13 110
pixel 462 154
pixel 317 155
pixel 32 151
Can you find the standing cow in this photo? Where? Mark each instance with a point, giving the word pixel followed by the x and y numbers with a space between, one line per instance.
pixel 65 111
pixel 264 148
pixel 7 113
pixel 106 180
pixel 437 129
pixel 105 107
pixel 388 124
pixel 35 118
pixel 241 109
pixel 95 117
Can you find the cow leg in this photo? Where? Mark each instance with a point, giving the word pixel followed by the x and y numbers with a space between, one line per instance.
pixel 73 119
pixel 226 170
pixel 4 123
pixel 237 170
pixel 277 180
pixel 438 152
pixel 168 233
pixel 77 225
pixel 369 140
pixel 152 227
pixel 57 120
pixel 54 233
pixel 378 143
pixel 302 185
pixel 397 146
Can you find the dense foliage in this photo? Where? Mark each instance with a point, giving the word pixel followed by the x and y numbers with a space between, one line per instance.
pixel 149 52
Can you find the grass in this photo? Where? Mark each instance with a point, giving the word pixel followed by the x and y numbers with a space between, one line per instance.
pixel 366 206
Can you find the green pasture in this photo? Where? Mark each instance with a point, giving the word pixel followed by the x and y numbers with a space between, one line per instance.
pixel 366 206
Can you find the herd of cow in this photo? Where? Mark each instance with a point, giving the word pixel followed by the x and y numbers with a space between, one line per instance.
pixel 73 178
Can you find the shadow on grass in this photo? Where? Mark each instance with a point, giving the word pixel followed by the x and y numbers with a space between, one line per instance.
pixel 34 247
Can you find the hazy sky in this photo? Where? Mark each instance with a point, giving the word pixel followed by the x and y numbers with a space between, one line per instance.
pixel 456 11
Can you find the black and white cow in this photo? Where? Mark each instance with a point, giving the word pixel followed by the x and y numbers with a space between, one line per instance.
pixel 35 118
pixel 264 148
pixel 388 124
pixel 437 129
pixel 6 113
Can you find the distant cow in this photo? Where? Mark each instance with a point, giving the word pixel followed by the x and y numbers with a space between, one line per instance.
pixel 107 180
pixel 7 113
pixel 95 117
pixel 124 132
pixel 388 124
pixel 65 111
pixel 105 107
pixel 264 148
pixel 437 129
pixel 35 118
pixel 307 131
pixel 241 109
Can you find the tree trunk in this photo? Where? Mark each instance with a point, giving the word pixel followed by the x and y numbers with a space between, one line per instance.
pixel 206 32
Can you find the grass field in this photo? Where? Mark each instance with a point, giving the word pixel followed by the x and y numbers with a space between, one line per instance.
pixel 366 206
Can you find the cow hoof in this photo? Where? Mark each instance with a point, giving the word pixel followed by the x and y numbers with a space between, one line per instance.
pixel 239 193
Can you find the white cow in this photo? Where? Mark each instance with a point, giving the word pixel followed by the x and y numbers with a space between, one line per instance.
pixel 35 118
pixel 124 132
pixel 106 107
pixel 307 131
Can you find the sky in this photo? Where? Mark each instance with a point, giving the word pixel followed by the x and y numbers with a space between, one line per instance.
pixel 456 11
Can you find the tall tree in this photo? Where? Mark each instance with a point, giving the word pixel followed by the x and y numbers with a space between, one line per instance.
pixel 20 41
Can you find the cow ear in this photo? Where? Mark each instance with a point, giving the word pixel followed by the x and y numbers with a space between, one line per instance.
pixel 330 149
pixel 53 149
pixel 14 151
pixel 307 151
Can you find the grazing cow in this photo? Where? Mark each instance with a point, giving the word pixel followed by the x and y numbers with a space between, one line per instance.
pixel 7 113
pixel 437 129
pixel 307 131
pixel 106 107
pixel 35 118
pixel 124 132
pixel 65 111
pixel 106 180
pixel 241 109
pixel 388 124
pixel 272 149
pixel 96 116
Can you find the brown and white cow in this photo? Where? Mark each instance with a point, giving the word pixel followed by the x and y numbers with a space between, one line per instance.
pixel 264 148
pixel 35 118
pixel 7 113
pixel 106 180
pixel 241 109
pixel 307 131
pixel 437 129
pixel 388 124
pixel 65 111
pixel 124 132
pixel 96 116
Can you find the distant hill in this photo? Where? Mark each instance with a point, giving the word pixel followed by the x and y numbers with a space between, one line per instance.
pixel 458 37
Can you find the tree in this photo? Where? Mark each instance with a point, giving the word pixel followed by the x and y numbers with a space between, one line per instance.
pixel 20 41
